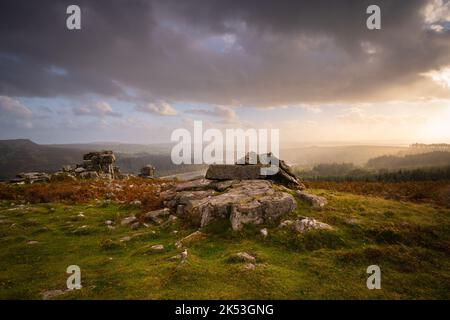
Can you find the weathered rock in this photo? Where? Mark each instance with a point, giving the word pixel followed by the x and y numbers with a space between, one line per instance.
pixel 262 209
pixel 67 168
pixel 157 215
pixel 264 232
pixel 157 248
pixel 135 225
pixel 80 170
pixel 63 176
pixel 125 239
pixel 315 201
pixel 82 230
pixel 249 266
pixel 147 172
pixel 286 223
pixel 243 202
pixel 100 161
pixel 46 295
pixel 181 256
pixel 88 175
pixel 31 177
pixel 244 257
pixel 195 185
pixel 98 164
pixel 128 220
pixel 234 172
pixel 306 224
pixel 246 169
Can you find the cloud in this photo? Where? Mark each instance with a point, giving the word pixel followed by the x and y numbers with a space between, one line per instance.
pixel 437 11
pixel 100 110
pixel 358 116
pixel 260 53
pixel 13 109
pixel 160 108
pixel 441 76
pixel 223 112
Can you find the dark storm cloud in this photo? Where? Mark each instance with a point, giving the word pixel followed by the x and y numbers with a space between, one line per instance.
pixel 225 52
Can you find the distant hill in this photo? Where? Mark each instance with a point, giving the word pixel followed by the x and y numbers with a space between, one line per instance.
pixel 358 155
pixel 24 155
pixel 429 159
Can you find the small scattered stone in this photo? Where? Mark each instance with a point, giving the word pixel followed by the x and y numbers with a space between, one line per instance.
pixel 286 223
pixel 249 266
pixel 181 256
pixel 82 230
pixel 31 242
pixel 264 232
pixel 245 257
pixel 157 215
pixel 306 224
pixel 315 201
pixel 157 248
pixel 135 225
pixel 46 295
pixel 125 239
pixel 128 220
pixel 109 222
pixel 80 170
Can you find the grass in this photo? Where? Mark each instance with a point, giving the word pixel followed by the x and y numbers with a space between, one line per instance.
pixel 410 242
pixel 435 192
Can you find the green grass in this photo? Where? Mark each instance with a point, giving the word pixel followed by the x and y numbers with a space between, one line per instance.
pixel 410 243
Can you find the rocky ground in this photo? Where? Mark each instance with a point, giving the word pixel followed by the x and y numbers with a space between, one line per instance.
pixel 217 239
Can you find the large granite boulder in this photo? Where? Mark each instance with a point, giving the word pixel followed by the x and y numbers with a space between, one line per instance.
pixel 312 199
pixel 101 162
pixel 148 172
pixel 241 201
pixel 249 170
pixel 96 165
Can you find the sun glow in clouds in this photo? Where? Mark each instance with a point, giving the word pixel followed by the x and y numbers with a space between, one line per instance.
pixel 442 76
pixel 437 127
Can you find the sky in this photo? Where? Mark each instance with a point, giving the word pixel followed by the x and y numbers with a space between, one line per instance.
pixel 137 70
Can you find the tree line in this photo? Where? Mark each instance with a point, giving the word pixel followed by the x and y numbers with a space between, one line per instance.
pixel 349 172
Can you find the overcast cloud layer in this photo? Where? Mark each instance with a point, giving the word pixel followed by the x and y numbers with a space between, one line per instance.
pixel 228 52
pixel 151 54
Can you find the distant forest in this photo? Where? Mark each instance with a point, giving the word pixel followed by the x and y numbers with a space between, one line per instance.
pixel 416 167
pixel 430 159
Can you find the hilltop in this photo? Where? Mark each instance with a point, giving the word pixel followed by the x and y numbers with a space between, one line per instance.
pixel 46 227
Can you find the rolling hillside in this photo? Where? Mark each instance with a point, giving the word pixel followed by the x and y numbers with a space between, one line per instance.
pixel 24 155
